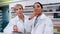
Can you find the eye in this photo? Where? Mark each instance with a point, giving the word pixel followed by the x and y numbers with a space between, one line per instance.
pixel 38 6
pixel 20 8
pixel 16 9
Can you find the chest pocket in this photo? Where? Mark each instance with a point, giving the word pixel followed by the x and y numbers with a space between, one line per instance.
pixel 40 23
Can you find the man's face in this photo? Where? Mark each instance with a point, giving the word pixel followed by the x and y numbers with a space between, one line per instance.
pixel 19 10
pixel 37 9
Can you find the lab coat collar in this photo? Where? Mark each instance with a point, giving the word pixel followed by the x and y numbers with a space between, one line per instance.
pixel 42 16
pixel 18 19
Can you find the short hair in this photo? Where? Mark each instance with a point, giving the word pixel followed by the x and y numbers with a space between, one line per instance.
pixel 39 4
pixel 17 6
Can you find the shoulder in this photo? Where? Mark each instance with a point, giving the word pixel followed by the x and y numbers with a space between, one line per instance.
pixel 14 19
pixel 26 16
pixel 47 20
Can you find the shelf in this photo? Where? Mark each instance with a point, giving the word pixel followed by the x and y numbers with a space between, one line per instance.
pixel 52 12
pixel 27 13
pixel 51 18
pixel 0 16
pixel 57 25
pixel 55 18
pixel 43 12
pixel 56 32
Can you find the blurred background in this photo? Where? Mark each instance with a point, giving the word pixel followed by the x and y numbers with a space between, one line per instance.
pixel 50 7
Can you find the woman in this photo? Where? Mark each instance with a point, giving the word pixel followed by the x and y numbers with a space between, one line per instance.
pixel 18 23
pixel 41 24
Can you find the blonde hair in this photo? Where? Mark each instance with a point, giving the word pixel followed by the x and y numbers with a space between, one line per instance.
pixel 17 6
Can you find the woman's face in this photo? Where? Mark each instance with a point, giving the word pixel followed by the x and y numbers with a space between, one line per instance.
pixel 19 10
pixel 37 8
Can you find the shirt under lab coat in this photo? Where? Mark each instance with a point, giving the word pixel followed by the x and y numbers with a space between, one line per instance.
pixel 20 24
pixel 44 25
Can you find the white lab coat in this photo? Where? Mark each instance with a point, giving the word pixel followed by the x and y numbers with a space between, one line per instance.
pixel 20 24
pixel 43 26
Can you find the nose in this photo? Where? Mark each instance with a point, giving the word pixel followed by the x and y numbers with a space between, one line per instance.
pixel 18 9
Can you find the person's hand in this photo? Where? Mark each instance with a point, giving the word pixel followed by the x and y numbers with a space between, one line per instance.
pixel 34 14
pixel 15 28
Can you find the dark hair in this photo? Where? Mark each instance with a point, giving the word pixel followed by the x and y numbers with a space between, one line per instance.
pixel 39 4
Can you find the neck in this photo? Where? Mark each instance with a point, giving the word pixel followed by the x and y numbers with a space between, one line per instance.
pixel 22 17
pixel 40 14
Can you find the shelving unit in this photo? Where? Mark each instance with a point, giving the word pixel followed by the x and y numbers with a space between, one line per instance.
pixel 4 17
pixel 0 20
pixel 28 11
pixel 56 32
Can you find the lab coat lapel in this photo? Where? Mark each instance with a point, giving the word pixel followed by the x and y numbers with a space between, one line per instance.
pixel 40 18
pixel 40 22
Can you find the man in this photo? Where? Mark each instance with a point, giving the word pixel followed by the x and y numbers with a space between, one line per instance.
pixel 41 24
pixel 18 23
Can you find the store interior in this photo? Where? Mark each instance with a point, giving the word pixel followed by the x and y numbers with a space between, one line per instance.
pixel 50 9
